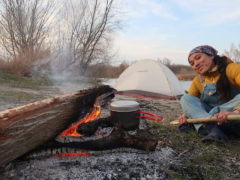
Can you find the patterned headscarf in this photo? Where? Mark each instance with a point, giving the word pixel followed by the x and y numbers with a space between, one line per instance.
pixel 203 49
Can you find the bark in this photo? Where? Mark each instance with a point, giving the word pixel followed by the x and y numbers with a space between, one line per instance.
pixel 26 127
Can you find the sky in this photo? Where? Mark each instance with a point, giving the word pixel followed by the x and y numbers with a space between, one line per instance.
pixel 156 29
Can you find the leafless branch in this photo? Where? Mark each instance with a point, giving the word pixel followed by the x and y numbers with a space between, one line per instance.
pixel 25 25
pixel 89 30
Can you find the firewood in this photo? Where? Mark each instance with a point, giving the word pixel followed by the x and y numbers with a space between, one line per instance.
pixel 116 137
pixel 26 127
pixel 140 139
pixel 88 129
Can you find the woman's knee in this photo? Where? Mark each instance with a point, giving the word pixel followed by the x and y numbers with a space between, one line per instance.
pixel 188 98
pixel 236 98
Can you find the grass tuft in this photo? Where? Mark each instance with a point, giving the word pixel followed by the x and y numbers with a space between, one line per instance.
pixel 23 82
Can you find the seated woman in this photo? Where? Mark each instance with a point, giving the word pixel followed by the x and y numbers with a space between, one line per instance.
pixel 214 92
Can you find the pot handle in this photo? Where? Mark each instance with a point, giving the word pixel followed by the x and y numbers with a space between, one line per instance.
pixel 158 118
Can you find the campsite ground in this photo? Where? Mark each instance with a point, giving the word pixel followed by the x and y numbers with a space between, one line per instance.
pixel 198 160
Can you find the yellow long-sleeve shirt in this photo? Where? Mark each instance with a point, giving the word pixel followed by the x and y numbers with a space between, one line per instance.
pixel 233 74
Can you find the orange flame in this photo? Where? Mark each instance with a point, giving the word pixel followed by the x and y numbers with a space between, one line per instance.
pixel 72 154
pixel 72 131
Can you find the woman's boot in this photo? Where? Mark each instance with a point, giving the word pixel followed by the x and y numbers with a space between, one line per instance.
pixel 215 134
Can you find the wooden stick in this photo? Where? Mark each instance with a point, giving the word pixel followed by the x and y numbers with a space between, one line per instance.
pixel 207 119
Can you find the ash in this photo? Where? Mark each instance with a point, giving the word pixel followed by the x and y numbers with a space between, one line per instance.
pixel 107 166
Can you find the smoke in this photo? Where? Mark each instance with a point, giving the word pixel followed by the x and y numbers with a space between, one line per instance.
pixel 66 80
pixel 67 83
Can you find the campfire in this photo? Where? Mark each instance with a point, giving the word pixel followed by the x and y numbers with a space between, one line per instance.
pixel 72 131
pixel 93 134
pixel 89 134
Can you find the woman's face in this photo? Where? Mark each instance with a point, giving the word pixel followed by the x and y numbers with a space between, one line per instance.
pixel 201 62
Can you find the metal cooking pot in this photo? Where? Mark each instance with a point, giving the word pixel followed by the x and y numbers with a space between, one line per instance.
pixel 123 113
pixel 127 114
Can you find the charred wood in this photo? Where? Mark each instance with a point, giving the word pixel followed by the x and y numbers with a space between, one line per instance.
pixel 118 137
pixel 140 139
pixel 88 129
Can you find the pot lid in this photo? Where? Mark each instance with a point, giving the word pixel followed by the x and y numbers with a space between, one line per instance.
pixel 124 106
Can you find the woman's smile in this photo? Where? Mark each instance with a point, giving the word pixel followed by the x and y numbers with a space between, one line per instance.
pixel 201 62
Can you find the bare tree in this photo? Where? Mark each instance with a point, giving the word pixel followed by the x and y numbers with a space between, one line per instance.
pixel 165 61
pixel 88 30
pixel 24 27
pixel 234 53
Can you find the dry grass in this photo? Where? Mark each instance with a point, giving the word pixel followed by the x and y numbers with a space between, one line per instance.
pixel 23 64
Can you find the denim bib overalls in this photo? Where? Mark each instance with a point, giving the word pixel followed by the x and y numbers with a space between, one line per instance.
pixel 209 103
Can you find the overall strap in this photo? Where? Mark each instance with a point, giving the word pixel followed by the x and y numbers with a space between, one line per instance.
pixel 201 78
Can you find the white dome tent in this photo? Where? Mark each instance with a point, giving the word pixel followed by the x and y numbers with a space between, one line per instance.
pixel 149 78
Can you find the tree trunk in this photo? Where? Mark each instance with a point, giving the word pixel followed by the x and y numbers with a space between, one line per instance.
pixel 26 127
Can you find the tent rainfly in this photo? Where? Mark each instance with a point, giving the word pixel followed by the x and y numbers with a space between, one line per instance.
pixel 149 78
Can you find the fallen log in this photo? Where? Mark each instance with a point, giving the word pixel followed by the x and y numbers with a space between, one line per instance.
pixel 26 127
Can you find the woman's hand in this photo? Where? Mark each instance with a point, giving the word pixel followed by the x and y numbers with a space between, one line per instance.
pixel 222 116
pixel 182 119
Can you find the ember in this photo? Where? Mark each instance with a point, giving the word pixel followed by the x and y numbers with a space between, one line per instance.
pixel 72 154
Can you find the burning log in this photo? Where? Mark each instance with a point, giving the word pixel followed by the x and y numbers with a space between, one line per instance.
pixel 26 127
pixel 88 129
pixel 140 139
pixel 116 137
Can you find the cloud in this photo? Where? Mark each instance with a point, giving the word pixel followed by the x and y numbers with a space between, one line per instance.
pixel 149 47
pixel 202 12
pixel 141 8
pixel 210 13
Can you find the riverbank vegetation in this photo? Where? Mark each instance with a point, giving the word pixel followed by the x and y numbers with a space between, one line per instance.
pixel 183 72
